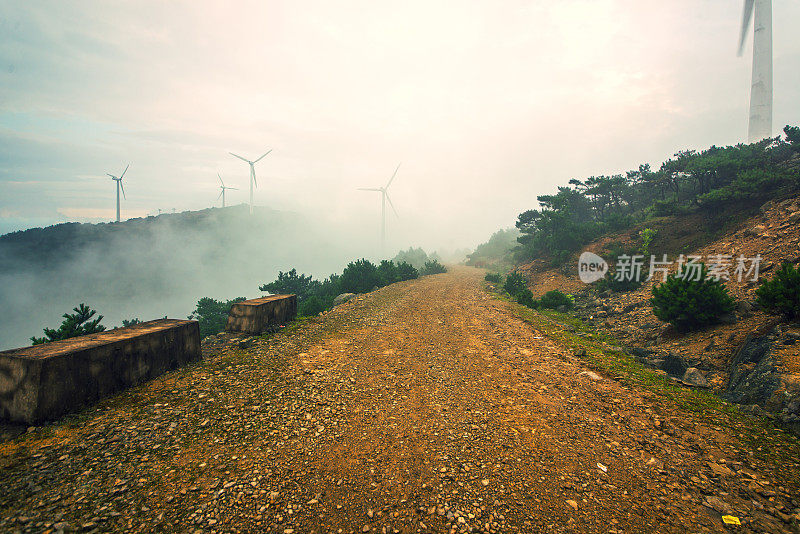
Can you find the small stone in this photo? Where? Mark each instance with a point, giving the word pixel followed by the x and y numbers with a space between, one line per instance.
pixel 572 503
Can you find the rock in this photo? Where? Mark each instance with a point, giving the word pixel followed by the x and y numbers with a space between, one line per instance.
pixel 640 353
pixel 674 364
pixel 754 376
pixel 728 318
pixel 695 377
pixel 342 298
pixel 715 503
pixel 744 308
pixel 590 375
pixel 572 503
pixel 719 469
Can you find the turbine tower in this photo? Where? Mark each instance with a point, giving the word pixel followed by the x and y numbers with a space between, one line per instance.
pixel 384 198
pixel 223 187
pixel 760 125
pixel 252 173
pixel 119 186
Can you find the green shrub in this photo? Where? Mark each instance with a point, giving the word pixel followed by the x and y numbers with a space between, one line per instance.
pixel 554 299
pixel 610 283
pixel 432 267
pixel 515 283
pixel 781 294
pixel 494 278
pixel 525 297
pixel 359 277
pixel 387 272
pixel 289 283
pixel 648 234
pixel 212 314
pixel 311 306
pixel 74 325
pixel 689 304
pixel 414 256
pixel 406 271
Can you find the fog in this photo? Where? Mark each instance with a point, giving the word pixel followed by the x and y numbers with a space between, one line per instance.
pixel 486 106
pixel 161 266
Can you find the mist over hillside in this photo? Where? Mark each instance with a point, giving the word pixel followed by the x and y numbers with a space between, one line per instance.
pixel 156 266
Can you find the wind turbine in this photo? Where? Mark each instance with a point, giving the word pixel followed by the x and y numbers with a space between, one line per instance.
pixel 760 125
pixel 384 198
pixel 223 187
pixel 119 186
pixel 252 173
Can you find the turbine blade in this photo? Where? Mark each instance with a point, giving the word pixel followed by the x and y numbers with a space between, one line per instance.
pixel 368 189
pixel 112 176
pixel 746 16
pixel 392 205
pixel 226 187
pixel 265 153
pixel 393 175
pixel 220 180
pixel 240 157
pixel 255 182
pixel 123 172
pixel 220 194
pixel 123 189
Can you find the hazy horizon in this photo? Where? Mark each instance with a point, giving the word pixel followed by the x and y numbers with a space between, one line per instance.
pixel 485 106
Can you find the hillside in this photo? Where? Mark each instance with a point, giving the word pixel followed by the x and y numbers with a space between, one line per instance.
pixel 741 201
pixel 769 379
pixel 425 406
pixel 156 266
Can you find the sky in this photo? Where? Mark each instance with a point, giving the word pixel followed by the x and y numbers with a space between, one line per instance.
pixel 485 104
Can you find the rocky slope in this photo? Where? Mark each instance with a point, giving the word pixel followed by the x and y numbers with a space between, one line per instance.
pixel 752 358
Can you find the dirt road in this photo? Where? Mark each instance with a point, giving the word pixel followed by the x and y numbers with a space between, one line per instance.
pixel 426 406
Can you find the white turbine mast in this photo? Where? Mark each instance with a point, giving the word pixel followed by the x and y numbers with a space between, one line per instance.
pixel 223 187
pixel 760 124
pixel 252 173
pixel 384 197
pixel 119 186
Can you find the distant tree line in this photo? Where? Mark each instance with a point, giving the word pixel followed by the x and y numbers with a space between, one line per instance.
pixel 716 178
pixel 315 296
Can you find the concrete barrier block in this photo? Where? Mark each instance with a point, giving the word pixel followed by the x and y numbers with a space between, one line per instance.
pixel 44 382
pixel 257 315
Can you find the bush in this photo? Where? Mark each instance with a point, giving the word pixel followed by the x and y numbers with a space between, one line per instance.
pixel 212 314
pixel 781 294
pixel 515 284
pixel 406 271
pixel 359 277
pixel 387 272
pixel 74 325
pixel 413 256
pixel 311 306
pixel 525 297
pixel 494 278
pixel 689 304
pixel 432 267
pixel 554 299
pixel 610 283
pixel 289 283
